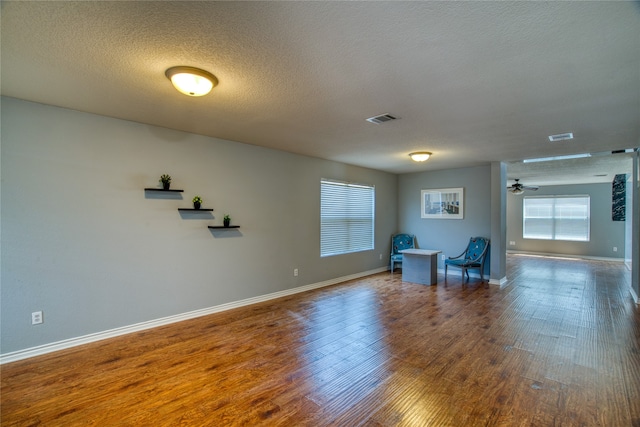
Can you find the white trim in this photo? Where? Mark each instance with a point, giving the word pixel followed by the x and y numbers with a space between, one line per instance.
pixel 547 254
pixel 634 296
pixel 86 339
pixel 500 282
pixel 472 273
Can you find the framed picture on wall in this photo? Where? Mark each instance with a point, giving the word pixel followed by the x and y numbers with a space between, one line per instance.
pixel 443 203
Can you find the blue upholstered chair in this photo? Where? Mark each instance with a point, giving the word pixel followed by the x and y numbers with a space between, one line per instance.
pixel 472 257
pixel 400 242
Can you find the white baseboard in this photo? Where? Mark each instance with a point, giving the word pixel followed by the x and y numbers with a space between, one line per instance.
pixel 86 339
pixel 500 282
pixel 634 296
pixel 472 273
pixel 552 255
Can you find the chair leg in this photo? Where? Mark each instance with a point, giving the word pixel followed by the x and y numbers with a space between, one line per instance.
pixel 445 271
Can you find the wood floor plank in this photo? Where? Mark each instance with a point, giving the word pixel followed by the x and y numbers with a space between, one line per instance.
pixel 559 345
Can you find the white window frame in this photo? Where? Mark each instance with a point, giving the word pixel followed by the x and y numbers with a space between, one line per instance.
pixel 562 218
pixel 346 225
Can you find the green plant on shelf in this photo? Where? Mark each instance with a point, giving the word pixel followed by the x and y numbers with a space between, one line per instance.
pixel 165 180
pixel 197 201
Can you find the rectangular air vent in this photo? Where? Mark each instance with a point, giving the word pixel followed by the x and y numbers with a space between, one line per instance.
pixel 381 118
pixel 626 150
pixel 561 137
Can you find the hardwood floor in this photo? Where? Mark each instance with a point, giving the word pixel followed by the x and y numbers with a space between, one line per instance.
pixel 559 345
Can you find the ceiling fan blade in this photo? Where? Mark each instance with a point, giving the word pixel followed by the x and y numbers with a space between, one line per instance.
pixel 518 188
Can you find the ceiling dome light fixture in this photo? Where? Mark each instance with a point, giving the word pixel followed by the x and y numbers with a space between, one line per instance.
pixel 420 156
pixel 191 81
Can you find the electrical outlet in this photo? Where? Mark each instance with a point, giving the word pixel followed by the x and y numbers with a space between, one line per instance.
pixel 380 256
pixel 443 257
pixel 615 249
pixel 512 243
pixel 36 318
pixel 295 272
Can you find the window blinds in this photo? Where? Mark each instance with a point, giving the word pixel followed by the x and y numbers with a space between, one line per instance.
pixel 556 218
pixel 346 217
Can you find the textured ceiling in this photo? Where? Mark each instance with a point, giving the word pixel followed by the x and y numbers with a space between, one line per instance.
pixel 472 82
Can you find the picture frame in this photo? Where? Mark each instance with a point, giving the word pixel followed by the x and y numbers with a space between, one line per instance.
pixel 442 203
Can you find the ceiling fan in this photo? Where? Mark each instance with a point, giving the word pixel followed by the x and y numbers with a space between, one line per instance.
pixel 518 188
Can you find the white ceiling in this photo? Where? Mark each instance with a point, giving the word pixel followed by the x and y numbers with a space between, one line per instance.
pixel 473 82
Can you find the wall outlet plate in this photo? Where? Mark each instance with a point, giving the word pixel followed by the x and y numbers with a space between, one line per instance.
pixel 36 318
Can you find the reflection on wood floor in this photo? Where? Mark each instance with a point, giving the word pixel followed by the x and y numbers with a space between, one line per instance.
pixel 559 345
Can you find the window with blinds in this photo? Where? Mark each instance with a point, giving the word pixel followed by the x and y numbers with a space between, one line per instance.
pixel 346 217
pixel 556 218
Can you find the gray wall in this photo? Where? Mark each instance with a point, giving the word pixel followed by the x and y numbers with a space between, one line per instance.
pixel 605 234
pixel 451 236
pixel 632 255
pixel 82 242
pixel 498 223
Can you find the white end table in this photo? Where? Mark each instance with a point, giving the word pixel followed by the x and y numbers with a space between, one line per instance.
pixel 420 266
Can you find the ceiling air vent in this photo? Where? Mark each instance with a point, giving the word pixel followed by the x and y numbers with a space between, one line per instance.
pixel 381 118
pixel 561 137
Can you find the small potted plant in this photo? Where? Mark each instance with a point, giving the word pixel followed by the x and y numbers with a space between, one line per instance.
pixel 166 181
pixel 226 220
pixel 197 202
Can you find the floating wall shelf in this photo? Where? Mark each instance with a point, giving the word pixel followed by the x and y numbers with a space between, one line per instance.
pixel 194 210
pixel 222 226
pixel 171 190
